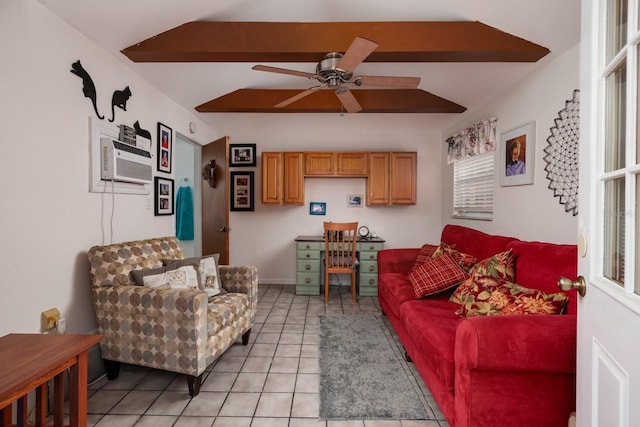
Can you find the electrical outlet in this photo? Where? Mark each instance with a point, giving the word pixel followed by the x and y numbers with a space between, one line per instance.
pixel 48 319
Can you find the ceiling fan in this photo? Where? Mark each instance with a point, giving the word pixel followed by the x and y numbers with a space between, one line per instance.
pixel 335 72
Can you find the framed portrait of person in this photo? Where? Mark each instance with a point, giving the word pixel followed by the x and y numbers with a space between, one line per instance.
pixel 517 155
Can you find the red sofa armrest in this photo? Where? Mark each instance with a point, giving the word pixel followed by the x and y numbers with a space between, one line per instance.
pixel 535 343
pixel 396 260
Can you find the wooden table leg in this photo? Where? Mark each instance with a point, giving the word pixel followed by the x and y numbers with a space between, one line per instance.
pixel 6 415
pixel 58 400
pixel 41 405
pixel 78 392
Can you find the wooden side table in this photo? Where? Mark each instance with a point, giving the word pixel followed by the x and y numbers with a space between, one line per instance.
pixel 28 361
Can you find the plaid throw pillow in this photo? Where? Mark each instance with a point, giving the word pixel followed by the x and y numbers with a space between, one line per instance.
pixel 465 261
pixel 424 254
pixel 436 275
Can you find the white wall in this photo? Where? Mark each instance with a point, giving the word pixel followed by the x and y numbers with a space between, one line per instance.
pixel 48 217
pixel 528 212
pixel 266 237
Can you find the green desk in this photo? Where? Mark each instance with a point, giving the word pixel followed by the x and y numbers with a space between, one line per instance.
pixel 310 269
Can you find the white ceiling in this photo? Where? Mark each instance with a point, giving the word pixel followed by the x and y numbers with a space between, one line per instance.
pixel 117 24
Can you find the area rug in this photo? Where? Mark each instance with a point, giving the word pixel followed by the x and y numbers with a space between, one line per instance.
pixel 360 373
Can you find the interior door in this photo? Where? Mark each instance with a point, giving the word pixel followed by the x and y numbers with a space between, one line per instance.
pixel 608 388
pixel 215 199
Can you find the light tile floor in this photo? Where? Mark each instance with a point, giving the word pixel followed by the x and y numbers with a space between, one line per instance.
pixel 271 382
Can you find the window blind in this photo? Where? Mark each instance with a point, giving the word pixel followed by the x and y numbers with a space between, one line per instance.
pixel 473 187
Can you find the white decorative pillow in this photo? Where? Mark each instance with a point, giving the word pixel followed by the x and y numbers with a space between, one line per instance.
pixel 181 278
pixel 209 275
pixel 207 266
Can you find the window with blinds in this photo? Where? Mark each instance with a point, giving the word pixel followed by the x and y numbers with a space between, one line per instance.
pixel 473 187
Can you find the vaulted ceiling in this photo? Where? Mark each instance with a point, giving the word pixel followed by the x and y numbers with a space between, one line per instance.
pixel 200 52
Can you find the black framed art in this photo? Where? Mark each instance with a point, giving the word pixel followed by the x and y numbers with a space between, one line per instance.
pixel 165 148
pixel 242 155
pixel 163 196
pixel 241 191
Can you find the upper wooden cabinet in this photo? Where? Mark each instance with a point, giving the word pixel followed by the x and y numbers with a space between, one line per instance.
pixel 343 164
pixel 392 179
pixel 282 178
pixel 391 176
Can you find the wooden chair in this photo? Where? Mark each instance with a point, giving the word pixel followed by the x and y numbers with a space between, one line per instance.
pixel 340 253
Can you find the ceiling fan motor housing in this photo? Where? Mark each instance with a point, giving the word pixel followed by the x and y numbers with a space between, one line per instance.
pixel 329 73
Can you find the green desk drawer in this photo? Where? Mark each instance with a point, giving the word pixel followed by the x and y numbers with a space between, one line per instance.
pixel 370 246
pixel 368 285
pixel 368 267
pixel 311 265
pixel 368 256
pixel 308 279
pixel 310 246
pixel 307 254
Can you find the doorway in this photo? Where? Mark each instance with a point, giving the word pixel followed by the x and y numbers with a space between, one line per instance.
pixel 187 157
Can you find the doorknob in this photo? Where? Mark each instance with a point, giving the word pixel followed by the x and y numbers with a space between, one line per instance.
pixel 222 229
pixel 580 284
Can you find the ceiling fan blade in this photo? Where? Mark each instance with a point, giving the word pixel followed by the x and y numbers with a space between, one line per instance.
pixel 282 71
pixel 347 99
pixel 390 81
pixel 358 51
pixel 297 97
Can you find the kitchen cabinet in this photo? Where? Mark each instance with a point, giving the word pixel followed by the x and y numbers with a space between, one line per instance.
pixel 392 179
pixel 338 164
pixel 282 178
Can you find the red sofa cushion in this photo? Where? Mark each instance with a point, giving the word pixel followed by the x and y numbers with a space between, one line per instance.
pixel 540 264
pixel 474 242
pixel 436 275
pixel 395 289
pixel 432 325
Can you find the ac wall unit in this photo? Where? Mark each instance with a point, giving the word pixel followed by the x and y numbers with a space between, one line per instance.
pixel 124 162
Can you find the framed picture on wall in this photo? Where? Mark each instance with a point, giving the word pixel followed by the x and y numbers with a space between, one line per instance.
pixel 517 155
pixel 165 148
pixel 317 208
pixel 163 196
pixel 354 200
pixel 242 155
pixel 241 191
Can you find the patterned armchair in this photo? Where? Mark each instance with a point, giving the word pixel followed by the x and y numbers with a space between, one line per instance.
pixel 178 330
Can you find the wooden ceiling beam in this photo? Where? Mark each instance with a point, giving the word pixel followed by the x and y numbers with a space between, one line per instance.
pixel 467 41
pixel 325 101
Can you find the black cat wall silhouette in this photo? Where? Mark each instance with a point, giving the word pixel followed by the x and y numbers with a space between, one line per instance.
pixel 119 99
pixel 88 87
pixel 142 132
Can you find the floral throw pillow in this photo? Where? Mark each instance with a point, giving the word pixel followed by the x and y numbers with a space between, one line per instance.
pixel 500 266
pixel 424 254
pixel 436 275
pixel 492 296
pixel 465 261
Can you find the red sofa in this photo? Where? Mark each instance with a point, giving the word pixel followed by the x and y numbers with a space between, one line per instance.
pixel 516 370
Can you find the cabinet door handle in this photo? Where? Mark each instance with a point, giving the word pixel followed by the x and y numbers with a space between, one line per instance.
pixel 307 280
pixel 372 256
pixel 372 268
pixel 307 267
pixel 372 281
